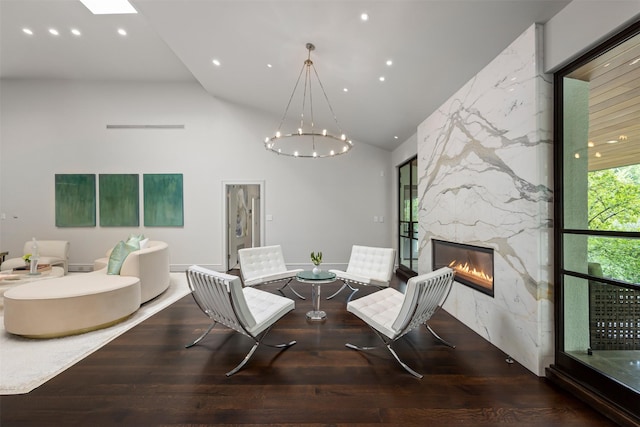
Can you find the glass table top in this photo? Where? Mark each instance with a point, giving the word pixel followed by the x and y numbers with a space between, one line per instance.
pixel 322 275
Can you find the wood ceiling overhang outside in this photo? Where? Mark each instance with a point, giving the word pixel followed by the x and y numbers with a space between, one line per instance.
pixel 614 105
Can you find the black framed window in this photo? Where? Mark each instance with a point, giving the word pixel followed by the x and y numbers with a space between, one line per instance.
pixel 597 218
pixel 408 215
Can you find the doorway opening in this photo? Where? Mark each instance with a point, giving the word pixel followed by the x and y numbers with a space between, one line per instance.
pixel 244 219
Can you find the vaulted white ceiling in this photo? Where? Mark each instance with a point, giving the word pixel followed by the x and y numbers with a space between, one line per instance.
pixel 436 46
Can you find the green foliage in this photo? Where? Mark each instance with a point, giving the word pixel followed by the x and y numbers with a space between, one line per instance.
pixel 619 258
pixel 614 199
pixel 410 210
pixel 614 204
pixel 316 259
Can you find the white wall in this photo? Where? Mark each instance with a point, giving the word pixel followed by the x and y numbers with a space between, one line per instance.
pixel 56 127
pixel 582 25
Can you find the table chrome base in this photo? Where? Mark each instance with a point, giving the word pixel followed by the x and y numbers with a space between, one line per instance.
pixel 316 315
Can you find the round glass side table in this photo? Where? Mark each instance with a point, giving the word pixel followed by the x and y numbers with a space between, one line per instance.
pixel 316 280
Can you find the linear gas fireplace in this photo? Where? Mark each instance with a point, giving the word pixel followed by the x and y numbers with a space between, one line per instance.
pixel 473 264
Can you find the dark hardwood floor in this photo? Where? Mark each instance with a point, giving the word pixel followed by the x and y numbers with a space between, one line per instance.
pixel 147 378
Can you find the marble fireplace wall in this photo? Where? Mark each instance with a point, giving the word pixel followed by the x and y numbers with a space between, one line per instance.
pixel 485 178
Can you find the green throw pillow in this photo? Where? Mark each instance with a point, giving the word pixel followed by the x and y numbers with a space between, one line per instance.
pixel 118 255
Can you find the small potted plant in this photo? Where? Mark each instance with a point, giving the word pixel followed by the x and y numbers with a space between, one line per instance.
pixel 27 259
pixel 316 259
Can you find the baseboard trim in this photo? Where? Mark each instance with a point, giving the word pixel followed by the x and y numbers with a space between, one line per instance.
pixel 173 268
pixel 606 407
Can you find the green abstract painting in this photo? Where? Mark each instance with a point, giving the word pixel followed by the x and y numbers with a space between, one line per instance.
pixel 163 204
pixel 119 200
pixel 75 200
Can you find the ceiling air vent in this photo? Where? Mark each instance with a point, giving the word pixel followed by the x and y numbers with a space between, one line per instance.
pixel 145 126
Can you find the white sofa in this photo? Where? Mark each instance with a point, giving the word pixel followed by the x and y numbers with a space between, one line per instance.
pixel 70 305
pixel 150 265
pixel 54 252
pixel 80 303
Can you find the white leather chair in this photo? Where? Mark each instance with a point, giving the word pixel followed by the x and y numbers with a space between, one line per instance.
pixel 265 264
pixel 368 266
pixel 391 315
pixel 53 252
pixel 248 311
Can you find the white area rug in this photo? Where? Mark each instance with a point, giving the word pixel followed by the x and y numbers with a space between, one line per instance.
pixel 28 363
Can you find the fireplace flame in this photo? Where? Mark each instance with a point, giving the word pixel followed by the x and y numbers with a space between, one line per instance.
pixel 471 273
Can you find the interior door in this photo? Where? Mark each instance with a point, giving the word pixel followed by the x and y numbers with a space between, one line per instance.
pixel 243 215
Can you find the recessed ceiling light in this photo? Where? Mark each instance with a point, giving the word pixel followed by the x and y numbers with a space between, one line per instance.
pixel 591 144
pixel 269 65
pixel 109 7
pixel 395 137
pixel 381 78
pixel 76 32
pixel 27 31
pixel 623 137
pixel 53 32
pixel 344 89
pixel 577 155
pixel 598 154
pixel 364 17
pixel 389 62
pixel 216 62
pixel 122 31
pixel 612 141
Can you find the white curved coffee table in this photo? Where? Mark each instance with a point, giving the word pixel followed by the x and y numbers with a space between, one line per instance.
pixel 10 280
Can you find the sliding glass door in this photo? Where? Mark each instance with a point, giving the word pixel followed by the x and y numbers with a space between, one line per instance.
pixel 598 221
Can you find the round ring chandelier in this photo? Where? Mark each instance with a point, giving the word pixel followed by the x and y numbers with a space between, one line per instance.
pixel 307 140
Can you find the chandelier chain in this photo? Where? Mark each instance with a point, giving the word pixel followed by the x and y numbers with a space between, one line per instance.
pixel 335 118
pixel 308 81
pixel 286 110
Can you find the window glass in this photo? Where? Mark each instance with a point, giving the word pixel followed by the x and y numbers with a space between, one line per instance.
pixel 614 199
pixel 615 258
pixel 599 182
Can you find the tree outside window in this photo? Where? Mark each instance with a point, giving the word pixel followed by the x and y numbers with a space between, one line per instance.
pixel 614 205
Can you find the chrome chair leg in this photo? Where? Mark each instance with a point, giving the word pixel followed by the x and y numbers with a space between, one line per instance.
pixel 356 347
pixel 283 345
pixel 290 287
pixel 253 349
pixel 201 336
pixel 244 361
pixel 258 341
pixel 387 342
pixel 404 365
pixel 344 285
pixel 447 343
pixel 353 292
